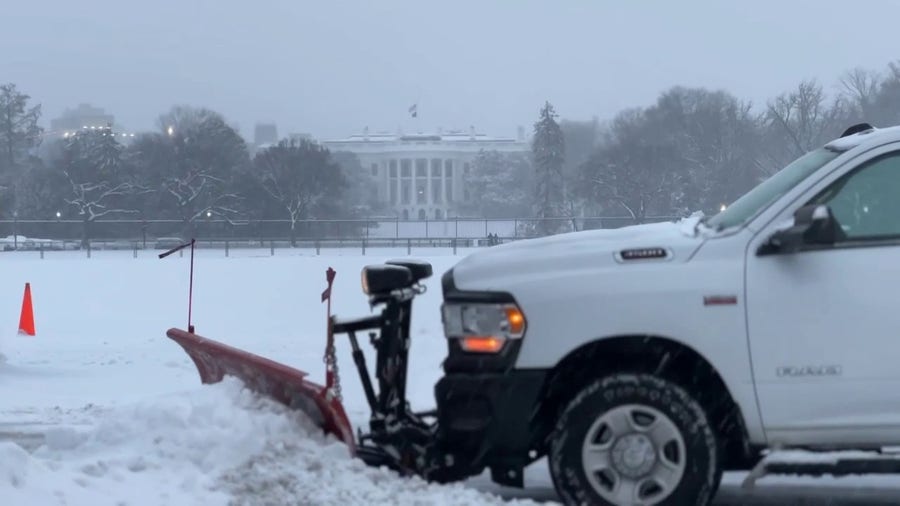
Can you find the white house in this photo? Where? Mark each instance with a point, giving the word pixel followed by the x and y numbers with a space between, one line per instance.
pixel 420 175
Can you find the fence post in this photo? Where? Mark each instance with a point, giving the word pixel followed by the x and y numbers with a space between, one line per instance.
pixel 453 242
pixel 272 247
pixel 89 248
pixel 409 246
pixel 364 247
pixel 134 252
pixel 42 251
pixel 318 246
pixel 226 249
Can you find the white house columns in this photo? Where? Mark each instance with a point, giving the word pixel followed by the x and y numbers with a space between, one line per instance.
pixel 422 187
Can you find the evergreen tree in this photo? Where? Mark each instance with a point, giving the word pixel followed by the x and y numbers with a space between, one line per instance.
pixel 548 150
pixel 40 192
pixel 20 135
pixel 91 162
pixel 95 154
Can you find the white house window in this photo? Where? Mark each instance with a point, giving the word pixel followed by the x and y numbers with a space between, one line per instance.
pixel 421 181
pixel 436 187
pixel 448 180
pixel 406 181
pixel 392 168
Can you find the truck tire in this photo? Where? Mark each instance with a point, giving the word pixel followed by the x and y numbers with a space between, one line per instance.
pixel 634 439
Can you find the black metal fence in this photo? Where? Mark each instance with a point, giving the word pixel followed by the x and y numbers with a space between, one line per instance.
pixel 156 234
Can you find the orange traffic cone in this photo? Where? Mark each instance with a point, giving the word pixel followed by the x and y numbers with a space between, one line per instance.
pixel 26 321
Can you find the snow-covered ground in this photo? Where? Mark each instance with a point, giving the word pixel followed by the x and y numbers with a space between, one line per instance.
pixel 101 408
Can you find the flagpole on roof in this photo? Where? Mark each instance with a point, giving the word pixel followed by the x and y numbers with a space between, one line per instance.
pixel 414 108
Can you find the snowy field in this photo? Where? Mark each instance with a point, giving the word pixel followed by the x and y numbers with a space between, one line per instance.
pixel 101 408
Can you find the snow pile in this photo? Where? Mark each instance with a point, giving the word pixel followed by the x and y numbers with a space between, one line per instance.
pixel 217 444
pixel 16 469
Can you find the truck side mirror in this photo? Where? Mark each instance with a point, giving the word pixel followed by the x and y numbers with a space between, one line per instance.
pixel 814 225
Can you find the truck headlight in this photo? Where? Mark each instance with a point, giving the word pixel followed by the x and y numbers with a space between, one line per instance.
pixel 483 328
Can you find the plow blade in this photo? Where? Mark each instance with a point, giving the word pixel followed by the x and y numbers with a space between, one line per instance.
pixel 284 384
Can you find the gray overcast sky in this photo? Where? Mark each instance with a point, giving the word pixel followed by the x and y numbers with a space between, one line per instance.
pixel 331 67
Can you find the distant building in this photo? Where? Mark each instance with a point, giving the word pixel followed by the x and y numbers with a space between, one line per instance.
pixel 299 136
pixel 265 133
pixel 420 175
pixel 84 117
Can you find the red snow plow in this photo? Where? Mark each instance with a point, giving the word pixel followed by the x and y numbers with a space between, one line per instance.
pixel 398 438
pixel 287 385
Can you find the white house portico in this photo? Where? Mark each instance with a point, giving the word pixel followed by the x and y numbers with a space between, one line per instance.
pixel 420 175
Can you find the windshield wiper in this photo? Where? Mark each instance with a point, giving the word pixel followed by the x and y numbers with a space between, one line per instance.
pixel 701 221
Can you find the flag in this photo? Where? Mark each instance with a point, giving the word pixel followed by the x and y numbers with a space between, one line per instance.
pixel 329 276
pixel 413 110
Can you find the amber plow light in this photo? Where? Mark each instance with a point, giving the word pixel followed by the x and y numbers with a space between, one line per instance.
pixel 481 344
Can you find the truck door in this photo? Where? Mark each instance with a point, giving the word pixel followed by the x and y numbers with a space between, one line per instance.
pixel 824 323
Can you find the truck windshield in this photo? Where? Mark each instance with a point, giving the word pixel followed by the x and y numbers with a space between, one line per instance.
pixel 771 189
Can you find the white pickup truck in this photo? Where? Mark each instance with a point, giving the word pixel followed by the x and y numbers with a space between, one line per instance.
pixel 644 361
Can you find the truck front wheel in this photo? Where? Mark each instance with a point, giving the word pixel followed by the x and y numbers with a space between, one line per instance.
pixel 634 439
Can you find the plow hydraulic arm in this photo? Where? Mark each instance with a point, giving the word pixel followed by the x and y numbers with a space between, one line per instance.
pixel 398 437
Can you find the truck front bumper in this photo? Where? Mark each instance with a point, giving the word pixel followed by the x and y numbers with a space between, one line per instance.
pixel 489 420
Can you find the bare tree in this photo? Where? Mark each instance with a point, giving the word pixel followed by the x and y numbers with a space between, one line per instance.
pixel 716 136
pixel 860 87
pixel 635 170
pixel 300 177
pixel 805 120
pixel 886 108
pixel 499 185
pixel 192 163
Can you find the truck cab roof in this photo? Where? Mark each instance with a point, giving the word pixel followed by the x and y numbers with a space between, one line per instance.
pixel 863 133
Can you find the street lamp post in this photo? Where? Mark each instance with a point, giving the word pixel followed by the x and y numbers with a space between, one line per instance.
pixel 144 230
pixel 209 225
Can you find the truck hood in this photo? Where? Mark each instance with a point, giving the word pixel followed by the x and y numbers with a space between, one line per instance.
pixel 500 267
